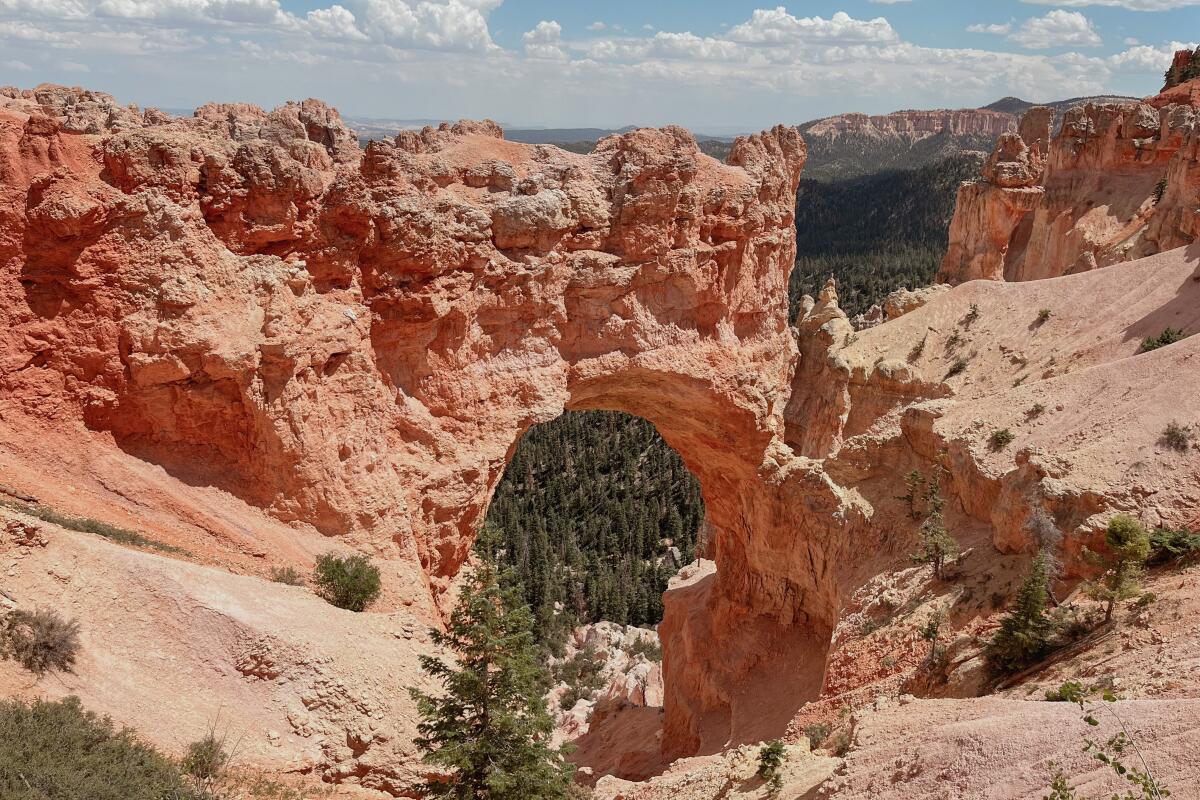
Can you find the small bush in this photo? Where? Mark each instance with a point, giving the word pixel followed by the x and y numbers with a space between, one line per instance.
pixel 1168 336
pixel 770 759
pixel 839 743
pixel 1169 545
pixel 1043 316
pixel 818 733
pixel 58 750
pixel 40 641
pixel 972 315
pixel 1068 692
pixel 1036 410
pixel 957 368
pixel 649 648
pixel 1160 189
pixel 287 575
pixel 350 582
pixel 1177 437
pixel 582 675
pixel 1001 439
pixel 206 760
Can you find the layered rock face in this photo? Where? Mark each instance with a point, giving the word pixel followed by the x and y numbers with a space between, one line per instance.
pixel 916 124
pixel 1117 182
pixel 355 341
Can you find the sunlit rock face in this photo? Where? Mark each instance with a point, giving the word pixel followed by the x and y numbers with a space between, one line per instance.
pixel 1117 182
pixel 355 340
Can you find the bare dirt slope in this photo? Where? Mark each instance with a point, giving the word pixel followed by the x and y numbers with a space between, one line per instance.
pixel 175 648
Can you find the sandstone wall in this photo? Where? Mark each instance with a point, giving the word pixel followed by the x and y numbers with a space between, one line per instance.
pixel 355 340
pixel 1086 198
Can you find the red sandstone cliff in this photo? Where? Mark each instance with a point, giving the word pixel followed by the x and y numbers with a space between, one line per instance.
pixel 1117 182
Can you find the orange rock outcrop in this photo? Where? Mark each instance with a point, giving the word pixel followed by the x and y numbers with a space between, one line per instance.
pixel 355 340
pixel 1116 182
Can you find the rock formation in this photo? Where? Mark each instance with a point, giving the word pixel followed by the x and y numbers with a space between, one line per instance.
pixel 246 307
pixel 356 340
pixel 848 145
pixel 915 124
pixel 1117 182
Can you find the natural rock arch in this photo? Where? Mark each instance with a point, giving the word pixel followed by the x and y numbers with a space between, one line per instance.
pixel 357 340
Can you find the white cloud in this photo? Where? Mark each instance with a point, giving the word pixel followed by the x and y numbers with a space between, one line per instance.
pixel 26 32
pixel 777 26
pixel 544 41
pixel 455 25
pixel 596 26
pixel 334 22
pixel 1057 29
pixel 242 12
pixel 1129 5
pixel 74 66
pixel 997 28
pixel 1144 58
pixel 14 64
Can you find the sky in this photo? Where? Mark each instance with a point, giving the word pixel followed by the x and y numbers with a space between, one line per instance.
pixel 712 66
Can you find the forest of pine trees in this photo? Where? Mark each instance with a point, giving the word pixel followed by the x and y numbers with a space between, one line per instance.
pixel 585 516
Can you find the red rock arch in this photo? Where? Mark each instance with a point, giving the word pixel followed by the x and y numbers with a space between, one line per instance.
pixel 356 340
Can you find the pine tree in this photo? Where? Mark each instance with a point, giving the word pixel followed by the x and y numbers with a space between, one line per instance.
pixel 1024 635
pixel 937 545
pixel 490 732
pixel 1128 548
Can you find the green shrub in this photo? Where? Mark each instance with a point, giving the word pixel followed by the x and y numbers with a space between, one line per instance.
pixel 817 733
pixel 1043 316
pixel 1001 439
pixel 582 673
pixel 1177 437
pixel 1168 545
pixel 349 582
pixel 972 315
pixel 1068 692
pixel 287 575
pixel 40 641
pixel 58 751
pixel 206 760
pixel 649 648
pixel 1168 336
pixel 1160 189
pixel 770 758
pixel 1036 410
pixel 1128 547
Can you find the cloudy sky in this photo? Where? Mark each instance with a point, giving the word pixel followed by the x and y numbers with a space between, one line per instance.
pixel 714 66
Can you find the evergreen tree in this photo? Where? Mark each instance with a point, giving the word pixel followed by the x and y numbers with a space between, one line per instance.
pixel 1024 635
pixel 937 545
pixel 490 732
pixel 1128 548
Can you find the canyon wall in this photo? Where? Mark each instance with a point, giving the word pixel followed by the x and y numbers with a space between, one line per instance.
pixel 915 124
pixel 1117 182
pixel 355 340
